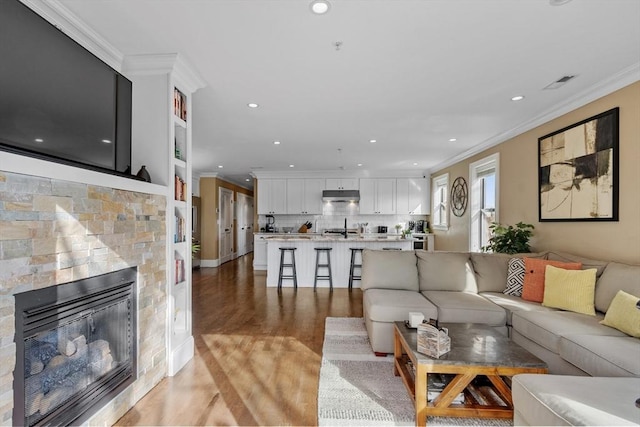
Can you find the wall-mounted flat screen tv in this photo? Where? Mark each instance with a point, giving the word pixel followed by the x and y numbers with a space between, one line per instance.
pixel 57 100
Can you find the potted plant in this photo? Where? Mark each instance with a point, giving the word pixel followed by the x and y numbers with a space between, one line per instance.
pixel 509 239
pixel 195 247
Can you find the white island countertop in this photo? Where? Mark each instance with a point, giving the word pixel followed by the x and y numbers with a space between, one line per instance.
pixel 305 254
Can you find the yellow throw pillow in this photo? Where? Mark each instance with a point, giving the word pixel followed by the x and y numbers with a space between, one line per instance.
pixel 623 314
pixel 572 290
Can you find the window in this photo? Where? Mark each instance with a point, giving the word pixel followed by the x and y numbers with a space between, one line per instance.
pixel 483 175
pixel 440 211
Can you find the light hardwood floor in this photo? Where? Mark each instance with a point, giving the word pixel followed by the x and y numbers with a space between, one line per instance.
pixel 258 353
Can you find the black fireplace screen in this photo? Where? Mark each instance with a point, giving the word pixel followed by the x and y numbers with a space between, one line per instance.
pixel 76 348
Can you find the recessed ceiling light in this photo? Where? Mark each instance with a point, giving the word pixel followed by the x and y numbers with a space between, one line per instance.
pixel 290 166
pixel 252 105
pixel 452 139
pixel 320 7
pixel 558 2
pixel 247 179
pixel 106 141
pixel 219 166
pixel 517 98
pixel 276 142
pixel 415 164
pixel 39 140
pixel 359 164
pixel 373 141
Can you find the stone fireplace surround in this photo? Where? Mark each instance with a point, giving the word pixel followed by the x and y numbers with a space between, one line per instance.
pixel 53 232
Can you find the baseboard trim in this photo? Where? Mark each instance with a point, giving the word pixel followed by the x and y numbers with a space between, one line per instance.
pixel 209 263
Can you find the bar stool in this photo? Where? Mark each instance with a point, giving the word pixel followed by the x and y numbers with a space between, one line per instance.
pixel 328 277
pixel 352 275
pixel 291 265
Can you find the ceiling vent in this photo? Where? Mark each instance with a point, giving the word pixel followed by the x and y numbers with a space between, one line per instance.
pixel 561 81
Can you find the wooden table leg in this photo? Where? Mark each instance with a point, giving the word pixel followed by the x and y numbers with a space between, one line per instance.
pixel 397 351
pixel 421 395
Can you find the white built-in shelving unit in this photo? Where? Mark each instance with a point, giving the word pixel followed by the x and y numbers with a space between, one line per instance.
pixel 163 86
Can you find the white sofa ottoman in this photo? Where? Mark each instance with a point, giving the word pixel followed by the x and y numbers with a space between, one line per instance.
pixel 563 400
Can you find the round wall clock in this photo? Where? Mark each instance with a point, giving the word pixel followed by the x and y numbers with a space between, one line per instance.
pixel 459 196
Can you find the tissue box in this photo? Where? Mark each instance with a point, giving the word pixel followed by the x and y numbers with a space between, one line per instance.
pixel 415 318
pixel 432 341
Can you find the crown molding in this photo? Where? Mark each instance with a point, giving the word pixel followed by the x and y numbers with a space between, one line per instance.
pixel 209 175
pixel 67 22
pixel 149 64
pixel 185 76
pixel 339 174
pixel 609 85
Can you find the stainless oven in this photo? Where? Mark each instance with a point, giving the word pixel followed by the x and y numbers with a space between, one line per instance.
pixel 418 242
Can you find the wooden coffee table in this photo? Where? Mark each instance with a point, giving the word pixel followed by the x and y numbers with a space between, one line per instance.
pixel 481 361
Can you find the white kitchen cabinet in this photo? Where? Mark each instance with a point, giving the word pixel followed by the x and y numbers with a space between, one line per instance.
pixel 378 196
pixel 341 184
pixel 272 196
pixel 412 196
pixel 304 196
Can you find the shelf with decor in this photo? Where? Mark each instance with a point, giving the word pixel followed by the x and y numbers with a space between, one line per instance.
pixel 180 300
pixel 164 86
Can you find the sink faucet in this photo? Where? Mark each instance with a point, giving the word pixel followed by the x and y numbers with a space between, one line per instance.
pixel 344 233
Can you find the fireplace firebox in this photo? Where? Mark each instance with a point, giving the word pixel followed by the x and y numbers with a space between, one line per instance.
pixel 76 348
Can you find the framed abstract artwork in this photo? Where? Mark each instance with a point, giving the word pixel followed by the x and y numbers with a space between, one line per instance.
pixel 578 171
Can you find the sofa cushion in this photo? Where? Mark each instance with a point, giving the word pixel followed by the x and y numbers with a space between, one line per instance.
pixel 466 307
pixel 491 270
pixel 602 356
pixel 446 271
pixel 533 288
pixel 545 329
pixel 548 400
pixel 570 290
pixel 623 314
pixel 511 303
pixel 389 270
pixel 586 262
pixel 615 277
pixel 386 305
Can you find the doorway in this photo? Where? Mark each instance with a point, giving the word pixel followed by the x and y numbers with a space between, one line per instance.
pixel 225 226
pixel 244 224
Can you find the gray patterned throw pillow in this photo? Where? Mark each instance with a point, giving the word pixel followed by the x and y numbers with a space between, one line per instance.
pixel 515 277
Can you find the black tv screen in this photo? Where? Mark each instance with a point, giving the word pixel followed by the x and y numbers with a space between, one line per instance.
pixel 57 100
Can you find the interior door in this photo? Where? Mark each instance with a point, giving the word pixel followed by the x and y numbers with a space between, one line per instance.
pixel 248 223
pixel 241 235
pixel 225 232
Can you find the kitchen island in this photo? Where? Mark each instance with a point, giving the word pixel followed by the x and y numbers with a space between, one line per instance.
pixel 340 257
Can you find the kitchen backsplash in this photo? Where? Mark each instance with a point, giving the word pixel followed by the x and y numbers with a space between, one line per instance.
pixel 333 217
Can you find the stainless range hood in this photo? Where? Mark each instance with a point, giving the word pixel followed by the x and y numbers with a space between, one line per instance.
pixel 340 195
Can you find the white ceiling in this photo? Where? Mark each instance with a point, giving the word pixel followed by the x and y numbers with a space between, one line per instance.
pixel 410 74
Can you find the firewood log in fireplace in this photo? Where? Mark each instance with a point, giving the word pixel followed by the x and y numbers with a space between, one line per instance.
pixel 65 375
pixel 37 356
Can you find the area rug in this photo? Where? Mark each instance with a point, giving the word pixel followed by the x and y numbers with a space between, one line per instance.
pixel 357 388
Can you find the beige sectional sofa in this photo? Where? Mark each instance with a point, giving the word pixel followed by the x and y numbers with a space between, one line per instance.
pixel 468 287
